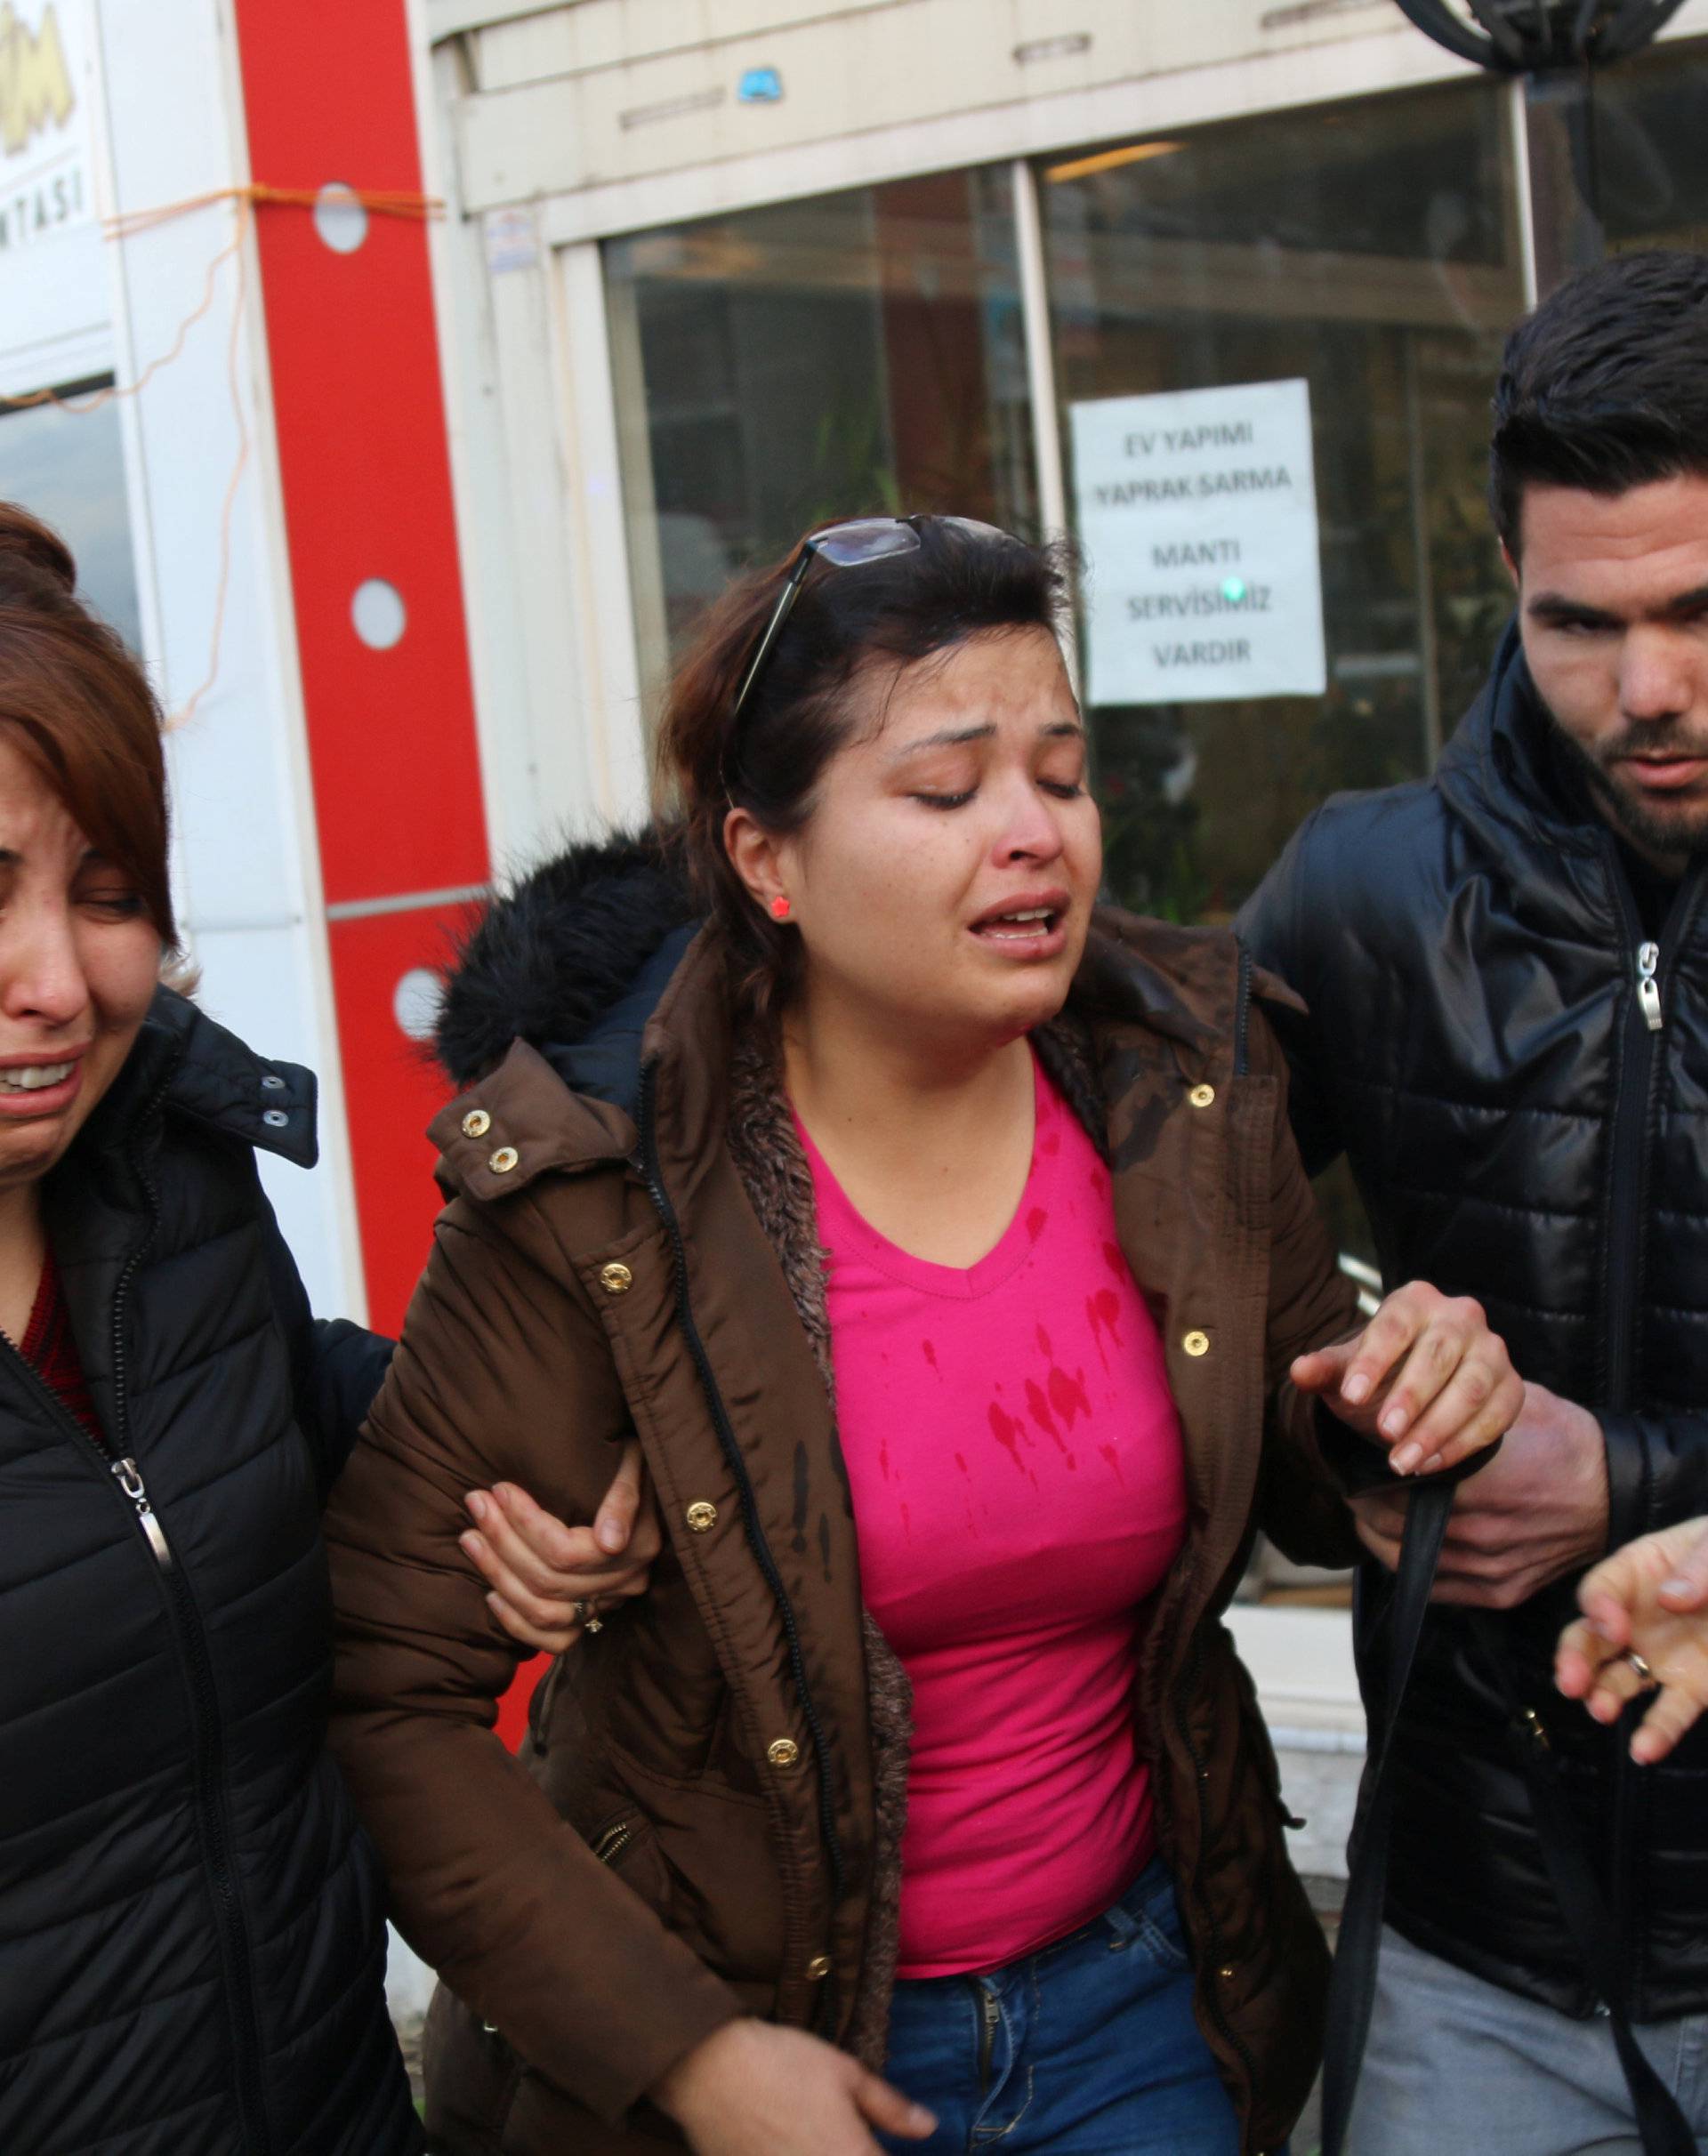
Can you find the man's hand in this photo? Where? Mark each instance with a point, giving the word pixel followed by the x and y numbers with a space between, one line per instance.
pixel 539 1571
pixel 1646 1598
pixel 1426 1378
pixel 752 2086
pixel 1536 1512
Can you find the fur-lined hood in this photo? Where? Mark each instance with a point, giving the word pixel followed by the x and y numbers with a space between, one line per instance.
pixel 573 961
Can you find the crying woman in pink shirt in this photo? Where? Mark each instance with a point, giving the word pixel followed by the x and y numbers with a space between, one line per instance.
pixel 949 1249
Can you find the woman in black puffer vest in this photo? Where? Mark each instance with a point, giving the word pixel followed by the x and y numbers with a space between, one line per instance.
pixel 192 1938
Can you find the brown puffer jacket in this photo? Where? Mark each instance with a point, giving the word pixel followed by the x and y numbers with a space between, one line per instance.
pixel 707 1820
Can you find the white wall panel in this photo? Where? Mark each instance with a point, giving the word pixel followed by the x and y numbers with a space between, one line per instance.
pixel 244 860
pixel 887 64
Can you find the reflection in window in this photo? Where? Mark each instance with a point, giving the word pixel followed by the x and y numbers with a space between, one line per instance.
pixel 782 368
pixel 68 468
pixel 1622 167
pixel 1370 250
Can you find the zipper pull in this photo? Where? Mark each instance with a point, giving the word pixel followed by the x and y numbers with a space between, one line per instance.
pixel 990 2021
pixel 129 1478
pixel 1648 993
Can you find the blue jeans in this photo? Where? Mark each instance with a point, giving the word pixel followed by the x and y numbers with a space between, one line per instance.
pixel 1088 2048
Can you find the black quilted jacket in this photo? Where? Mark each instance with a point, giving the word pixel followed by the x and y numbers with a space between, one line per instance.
pixel 1524 1130
pixel 192 1936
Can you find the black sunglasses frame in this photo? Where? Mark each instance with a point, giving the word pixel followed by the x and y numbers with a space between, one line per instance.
pixel 814 545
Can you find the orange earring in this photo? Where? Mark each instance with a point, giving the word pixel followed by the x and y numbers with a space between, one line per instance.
pixel 779 907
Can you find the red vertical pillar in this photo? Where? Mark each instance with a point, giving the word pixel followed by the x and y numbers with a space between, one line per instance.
pixel 365 464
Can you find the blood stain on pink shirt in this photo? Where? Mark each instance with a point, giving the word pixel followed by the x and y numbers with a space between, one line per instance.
pixel 1067 1395
pixel 930 1355
pixel 1103 1315
pixel 1114 1258
pixel 1008 1434
pixel 1045 1420
pixel 1036 1221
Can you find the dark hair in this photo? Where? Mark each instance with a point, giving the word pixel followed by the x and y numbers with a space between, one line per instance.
pixel 959 583
pixel 1605 386
pixel 78 706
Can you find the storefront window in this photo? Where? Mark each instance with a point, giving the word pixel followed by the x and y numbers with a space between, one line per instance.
pixel 1617 163
pixel 67 466
pixel 1362 262
pixel 854 353
pixel 1367 252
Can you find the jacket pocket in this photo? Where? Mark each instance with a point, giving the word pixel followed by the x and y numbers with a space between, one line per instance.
pixel 702 1855
pixel 624 1841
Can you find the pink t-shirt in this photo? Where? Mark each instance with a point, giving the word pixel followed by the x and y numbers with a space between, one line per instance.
pixel 1018 1489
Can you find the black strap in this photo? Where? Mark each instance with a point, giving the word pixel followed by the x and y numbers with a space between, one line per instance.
pixel 1663 2127
pixel 1352 1989
pixel 1352 1994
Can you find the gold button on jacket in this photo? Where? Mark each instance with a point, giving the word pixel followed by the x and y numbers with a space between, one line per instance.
pixel 1196 1343
pixel 504 1160
pixel 615 1279
pixel 476 1123
pixel 784 1752
pixel 1202 1095
pixel 701 1516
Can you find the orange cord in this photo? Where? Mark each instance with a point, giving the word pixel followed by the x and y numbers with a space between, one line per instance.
pixel 221 589
pixel 383 202
pixel 380 201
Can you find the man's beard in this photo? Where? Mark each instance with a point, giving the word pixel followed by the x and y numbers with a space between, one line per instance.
pixel 1678 839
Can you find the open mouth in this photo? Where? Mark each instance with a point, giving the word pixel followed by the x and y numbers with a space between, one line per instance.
pixel 1025 927
pixel 35 1077
pixel 1030 925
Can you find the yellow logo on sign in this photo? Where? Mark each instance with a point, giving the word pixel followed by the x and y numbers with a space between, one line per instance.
pixel 35 82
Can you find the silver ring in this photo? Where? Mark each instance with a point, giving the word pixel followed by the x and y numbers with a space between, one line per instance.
pixel 1644 1674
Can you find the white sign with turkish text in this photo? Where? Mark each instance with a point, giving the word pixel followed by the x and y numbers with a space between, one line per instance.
pixel 1198 513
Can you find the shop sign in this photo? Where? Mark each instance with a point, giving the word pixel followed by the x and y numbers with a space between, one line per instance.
pixel 46 185
pixel 1198 513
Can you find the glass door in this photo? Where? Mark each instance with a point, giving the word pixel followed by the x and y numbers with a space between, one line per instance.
pixel 775 368
pixel 1339 282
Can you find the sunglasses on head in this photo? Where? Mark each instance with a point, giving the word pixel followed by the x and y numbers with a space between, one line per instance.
pixel 845 546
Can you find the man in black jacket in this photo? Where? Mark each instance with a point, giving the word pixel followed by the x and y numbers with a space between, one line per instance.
pixel 1507 1037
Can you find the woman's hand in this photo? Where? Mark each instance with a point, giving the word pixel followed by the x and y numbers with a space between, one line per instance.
pixel 1426 1376
pixel 1651 1599
pixel 545 1578
pixel 752 2086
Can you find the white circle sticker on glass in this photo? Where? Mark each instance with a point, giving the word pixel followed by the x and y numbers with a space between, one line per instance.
pixel 415 1003
pixel 339 218
pixel 377 611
